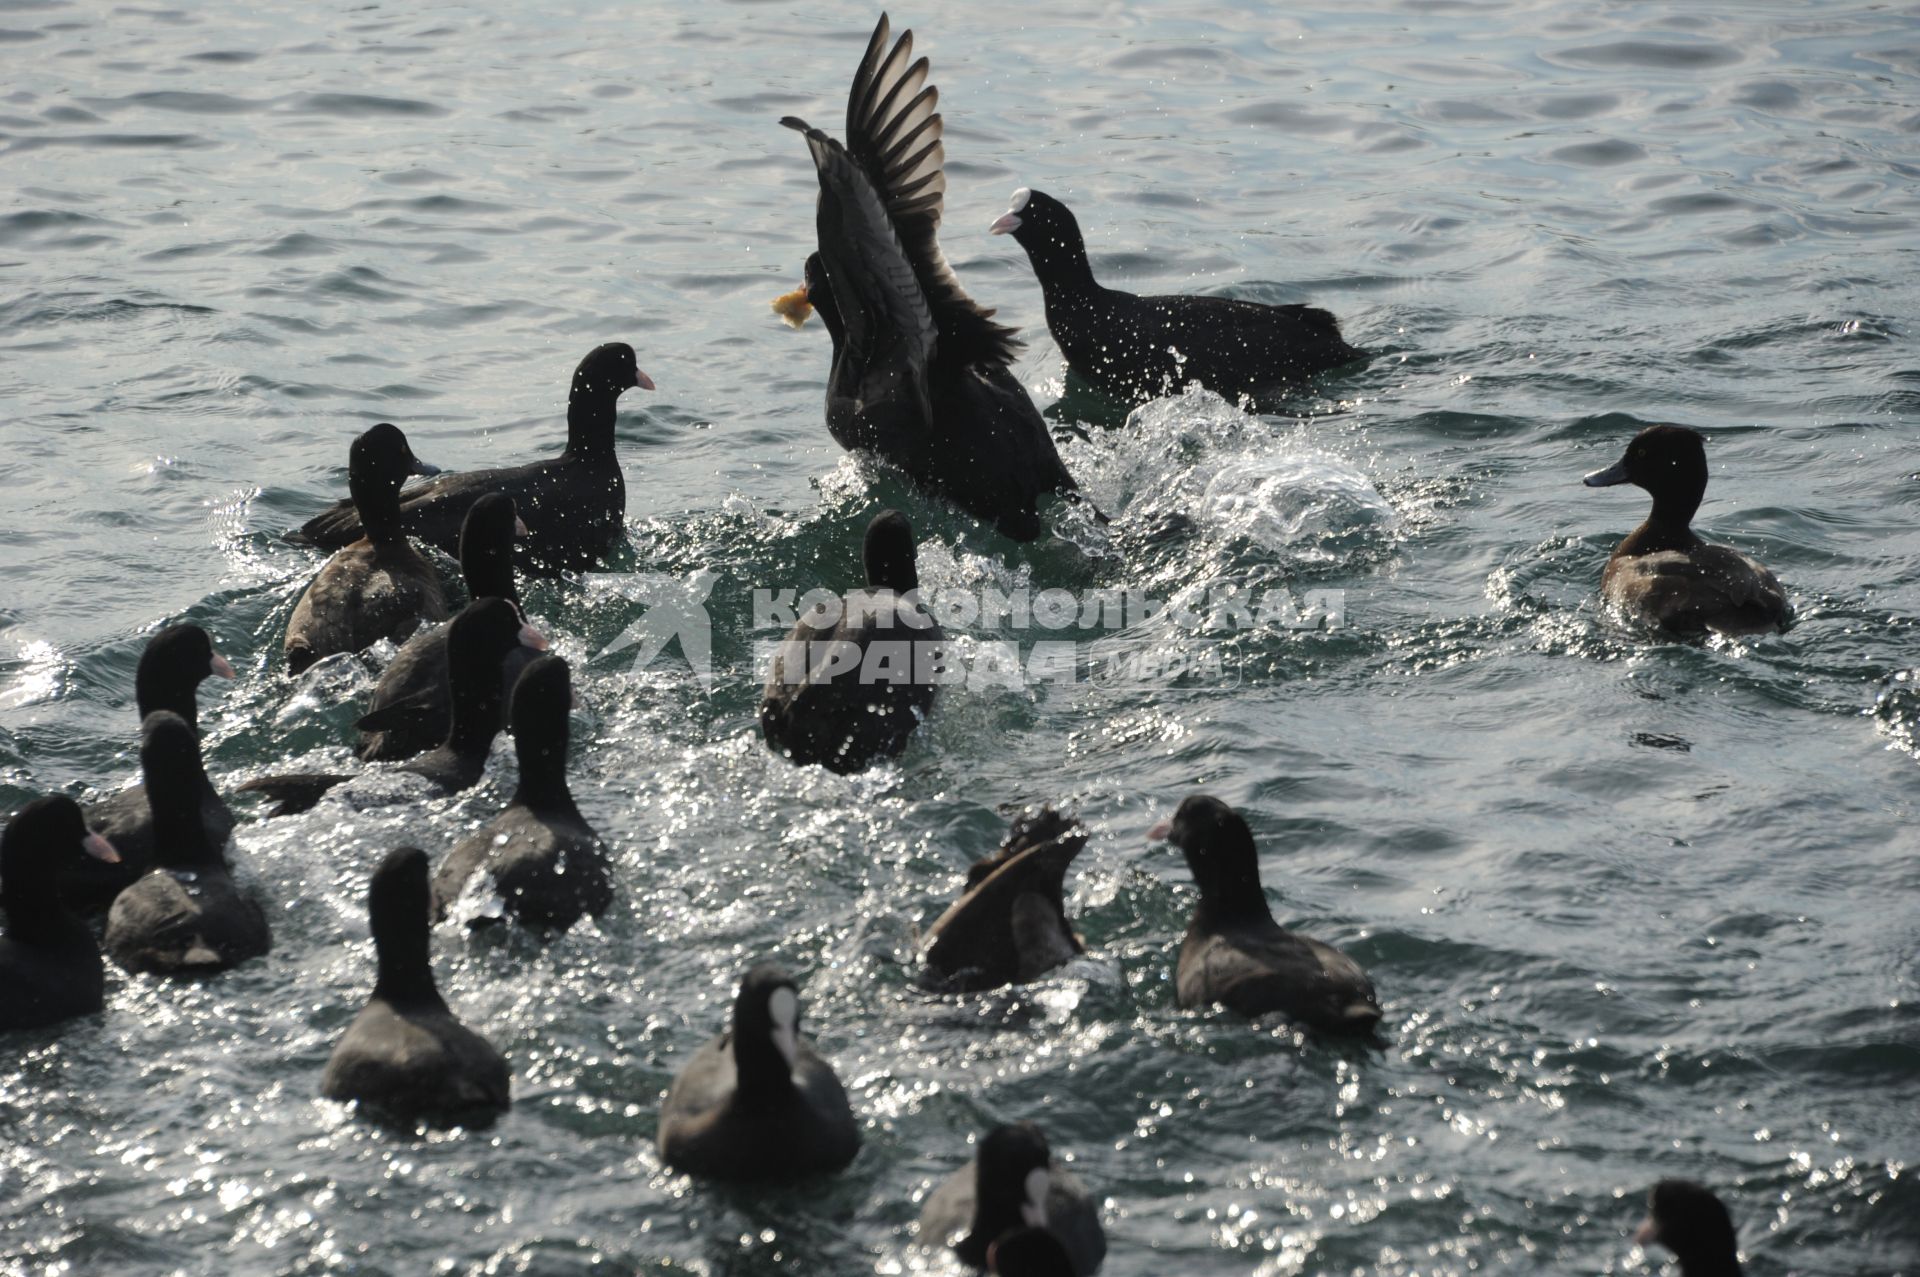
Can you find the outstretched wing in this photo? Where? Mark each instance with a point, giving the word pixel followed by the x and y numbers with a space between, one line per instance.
pixel 894 134
pixel 875 287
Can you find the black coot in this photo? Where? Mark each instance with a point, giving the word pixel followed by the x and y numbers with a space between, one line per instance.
pixel 1664 574
pixel 1013 1183
pixel 172 667
pixel 921 375
pixel 1235 953
pixel 406 1057
pixel 847 690
pixel 1010 926
pixel 187 916
pixel 379 587
pixel 757 1102
pixel 575 504
pixel 408 713
pixel 543 862
pixel 1689 1220
pixel 479 643
pixel 50 968
pixel 1140 348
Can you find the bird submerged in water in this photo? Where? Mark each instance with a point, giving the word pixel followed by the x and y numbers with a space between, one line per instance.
pixel 1139 348
pixel 1664 574
pixel 920 375
pixel 1010 925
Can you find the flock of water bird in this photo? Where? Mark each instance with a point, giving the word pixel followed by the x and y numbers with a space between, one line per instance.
pixel 921 381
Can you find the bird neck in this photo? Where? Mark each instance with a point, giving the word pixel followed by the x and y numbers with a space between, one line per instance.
pixel 405 976
pixel 996 1212
pixel 1234 895
pixel 488 572
pixel 377 502
pixel 35 914
pixel 1674 508
pixel 543 773
pixel 179 832
pixel 1060 263
pixel 764 1074
pixel 474 716
pixel 155 691
pixel 591 411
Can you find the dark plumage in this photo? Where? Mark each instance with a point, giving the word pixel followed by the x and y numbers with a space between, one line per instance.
pixel 405 1057
pixel 379 587
pixel 757 1102
pixel 1235 953
pixel 575 504
pixel 50 968
pixel 1010 926
pixel 1663 574
pixel 186 916
pixel 172 667
pixel 1029 1252
pixel 1013 1183
pixel 479 642
pixel 409 712
pixel 1139 348
pixel 920 372
pixel 848 690
pixel 1690 1221
pixel 545 863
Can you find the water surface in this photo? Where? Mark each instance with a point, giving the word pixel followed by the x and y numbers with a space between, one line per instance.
pixel 1635 909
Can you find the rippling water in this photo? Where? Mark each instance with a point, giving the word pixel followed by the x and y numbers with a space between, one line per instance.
pixel 1635 910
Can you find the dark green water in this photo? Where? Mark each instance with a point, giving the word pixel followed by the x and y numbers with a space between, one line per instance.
pixel 1635 910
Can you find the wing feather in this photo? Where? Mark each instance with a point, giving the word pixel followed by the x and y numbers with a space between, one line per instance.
pixel 894 134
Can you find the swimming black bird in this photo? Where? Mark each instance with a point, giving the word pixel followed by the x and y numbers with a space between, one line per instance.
pixel 1140 348
pixel 379 587
pixel 847 690
pixel 409 710
pixel 1235 953
pixel 480 641
pixel 575 504
pixel 173 665
pixel 1690 1221
pixel 757 1102
pixel 186 916
pixel 544 862
pixel 1010 926
pixel 50 968
pixel 1663 574
pixel 920 374
pixel 1013 1183
pixel 406 1057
